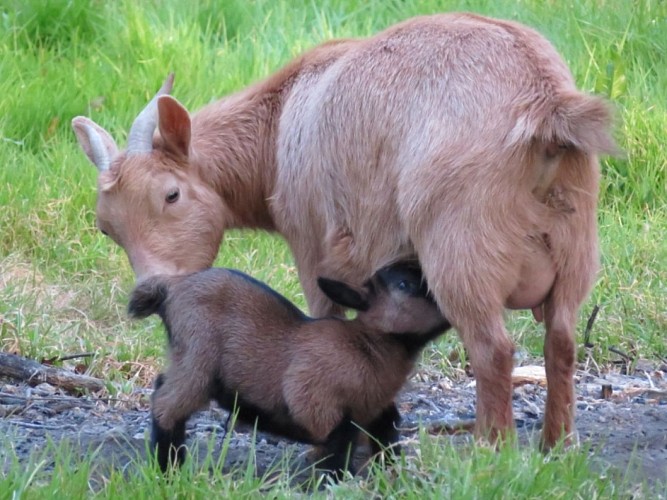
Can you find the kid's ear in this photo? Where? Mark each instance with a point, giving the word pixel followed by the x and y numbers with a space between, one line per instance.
pixel 344 294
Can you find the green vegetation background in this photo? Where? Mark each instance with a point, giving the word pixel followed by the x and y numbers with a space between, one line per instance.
pixel 63 286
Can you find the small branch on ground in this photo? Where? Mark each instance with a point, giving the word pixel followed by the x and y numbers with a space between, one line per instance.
pixel 68 357
pixel 589 326
pixel 35 373
pixel 451 428
pixel 625 362
pixel 626 357
pixel 37 425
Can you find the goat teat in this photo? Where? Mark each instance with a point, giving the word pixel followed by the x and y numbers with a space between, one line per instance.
pixel 395 299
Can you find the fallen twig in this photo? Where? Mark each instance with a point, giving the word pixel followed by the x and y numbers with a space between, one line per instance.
pixel 428 402
pixel 451 428
pixel 35 373
pixel 69 357
pixel 32 425
pixel 626 357
pixel 589 326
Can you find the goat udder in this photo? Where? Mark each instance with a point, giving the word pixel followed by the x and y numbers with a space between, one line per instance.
pixel 537 278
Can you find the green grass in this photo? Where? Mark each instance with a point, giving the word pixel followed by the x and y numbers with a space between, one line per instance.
pixel 439 470
pixel 63 286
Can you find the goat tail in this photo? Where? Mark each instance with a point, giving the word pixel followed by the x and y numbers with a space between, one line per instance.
pixel 147 297
pixel 570 120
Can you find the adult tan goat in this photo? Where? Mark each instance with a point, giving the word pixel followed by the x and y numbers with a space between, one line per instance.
pixel 455 138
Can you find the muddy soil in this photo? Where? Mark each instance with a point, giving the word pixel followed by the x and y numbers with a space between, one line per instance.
pixel 625 430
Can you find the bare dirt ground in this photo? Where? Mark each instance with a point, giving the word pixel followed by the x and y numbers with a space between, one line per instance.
pixel 625 429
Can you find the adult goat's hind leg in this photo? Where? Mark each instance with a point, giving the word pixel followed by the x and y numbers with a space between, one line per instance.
pixel 491 356
pixel 573 239
pixel 560 316
pixel 465 280
pixel 559 360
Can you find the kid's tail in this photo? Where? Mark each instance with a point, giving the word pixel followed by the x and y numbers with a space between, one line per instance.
pixel 147 297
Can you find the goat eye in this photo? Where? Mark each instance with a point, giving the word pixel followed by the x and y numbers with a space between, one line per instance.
pixel 403 286
pixel 172 196
pixel 104 232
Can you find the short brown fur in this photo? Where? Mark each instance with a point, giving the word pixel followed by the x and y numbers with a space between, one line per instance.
pixel 234 340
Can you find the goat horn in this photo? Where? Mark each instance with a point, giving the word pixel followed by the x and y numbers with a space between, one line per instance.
pixel 140 139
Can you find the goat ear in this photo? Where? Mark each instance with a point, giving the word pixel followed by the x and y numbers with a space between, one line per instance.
pixel 344 294
pixel 96 142
pixel 174 123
